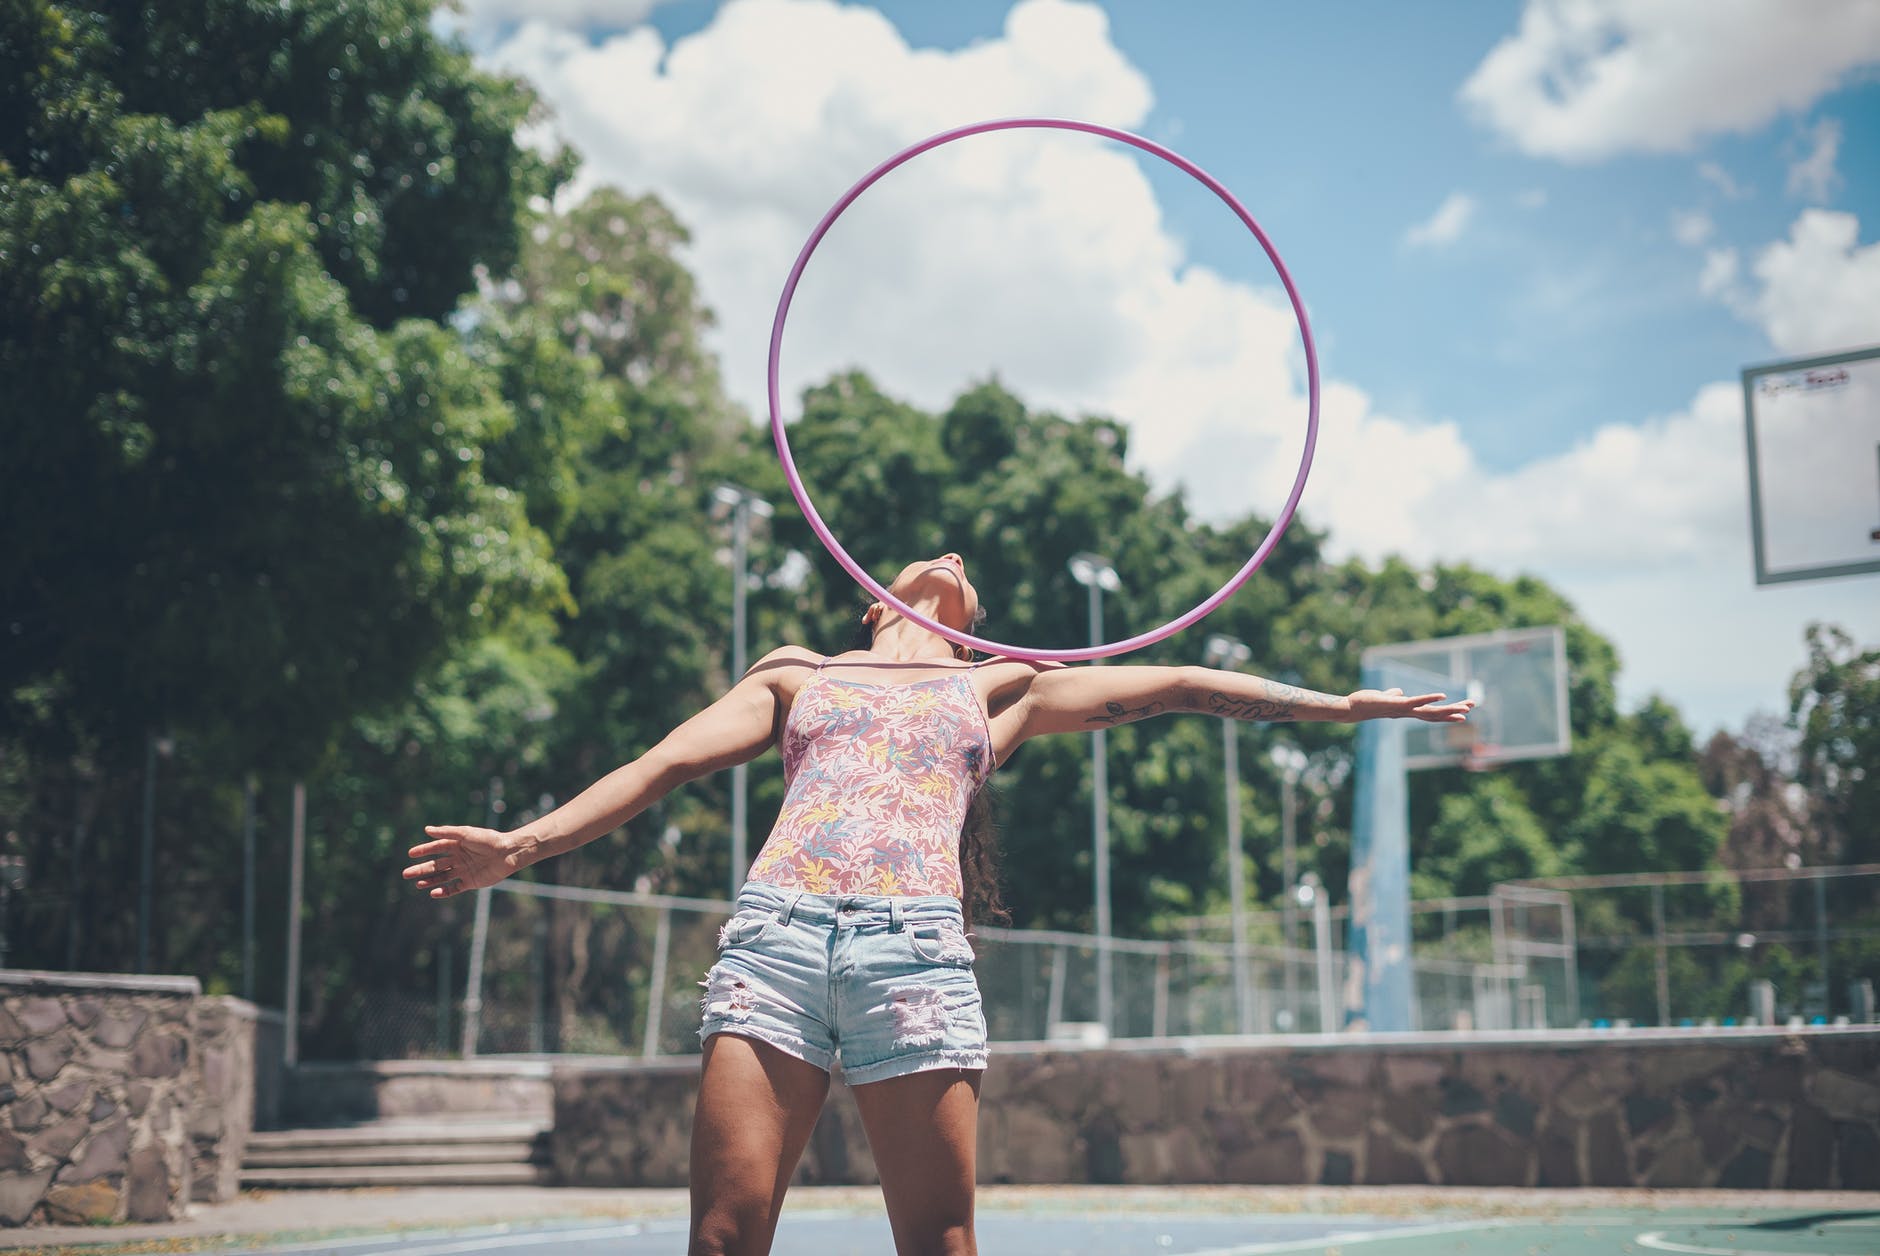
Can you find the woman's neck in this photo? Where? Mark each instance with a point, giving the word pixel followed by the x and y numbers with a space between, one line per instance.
pixel 902 641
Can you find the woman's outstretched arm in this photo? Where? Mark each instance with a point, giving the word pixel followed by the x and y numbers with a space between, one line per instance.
pixel 1081 699
pixel 735 729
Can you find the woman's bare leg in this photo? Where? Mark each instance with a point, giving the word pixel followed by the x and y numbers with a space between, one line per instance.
pixel 923 1129
pixel 756 1110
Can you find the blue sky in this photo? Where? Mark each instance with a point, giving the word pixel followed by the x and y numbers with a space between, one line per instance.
pixel 1538 242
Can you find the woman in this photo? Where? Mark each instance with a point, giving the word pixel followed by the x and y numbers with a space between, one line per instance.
pixel 849 941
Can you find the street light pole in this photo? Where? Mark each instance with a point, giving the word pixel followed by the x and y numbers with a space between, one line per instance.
pixel 741 504
pixel 1229 652
pixel 1291 762
pixel 1311 894
pixel 1098 577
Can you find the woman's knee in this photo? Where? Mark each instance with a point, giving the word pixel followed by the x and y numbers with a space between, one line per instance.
pixel 732 1229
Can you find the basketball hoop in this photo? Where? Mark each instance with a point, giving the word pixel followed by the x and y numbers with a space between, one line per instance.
pixel 1481 756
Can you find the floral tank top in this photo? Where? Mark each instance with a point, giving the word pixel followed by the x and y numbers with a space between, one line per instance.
pixel 877 782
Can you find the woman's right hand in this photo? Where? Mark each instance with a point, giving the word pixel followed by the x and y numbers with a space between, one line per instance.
pixel 458 858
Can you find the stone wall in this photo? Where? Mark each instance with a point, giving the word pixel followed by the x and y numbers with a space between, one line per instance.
pixel 1733 1109
pixel 121 1098
pixel 328 1094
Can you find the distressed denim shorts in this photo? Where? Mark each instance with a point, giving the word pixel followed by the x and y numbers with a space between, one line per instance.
pixel 883 984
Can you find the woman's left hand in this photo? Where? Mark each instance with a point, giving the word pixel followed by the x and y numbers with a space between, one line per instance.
pixel 1388 704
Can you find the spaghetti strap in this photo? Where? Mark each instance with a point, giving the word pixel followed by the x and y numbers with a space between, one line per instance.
pixel 821 661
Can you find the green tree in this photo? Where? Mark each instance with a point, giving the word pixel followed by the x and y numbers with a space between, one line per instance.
pixel 247 489
pixel 1834 700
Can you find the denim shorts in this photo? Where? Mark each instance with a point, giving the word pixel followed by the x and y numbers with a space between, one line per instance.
pixel 883 984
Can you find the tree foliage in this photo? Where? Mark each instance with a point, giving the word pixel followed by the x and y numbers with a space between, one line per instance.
pixel 340 455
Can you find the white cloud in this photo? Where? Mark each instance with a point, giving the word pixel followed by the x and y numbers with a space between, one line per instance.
pixel 1581 80
pixel 1691 227
pixel 1446 225
pixel 481 18
pixel 1820 288
pixel 1722 180
pixel 1814 176
pixel 1722 268
pixel 1047 260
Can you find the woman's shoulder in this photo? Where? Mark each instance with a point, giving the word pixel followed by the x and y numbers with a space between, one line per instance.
pixel 791 655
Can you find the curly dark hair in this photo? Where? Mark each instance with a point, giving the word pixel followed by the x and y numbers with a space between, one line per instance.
pixel 980 898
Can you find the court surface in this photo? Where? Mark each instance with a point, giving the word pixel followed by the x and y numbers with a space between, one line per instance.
pixel 1200 1222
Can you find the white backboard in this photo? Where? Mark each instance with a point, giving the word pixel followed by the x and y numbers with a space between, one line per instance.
pixel 1813 426
pixel 1518 675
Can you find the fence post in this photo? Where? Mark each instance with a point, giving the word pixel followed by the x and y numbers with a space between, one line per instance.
pixel 1663 966
pixel 296 890
pixel 656 989
pixel 473 987
pixel 1158 1026
pixel 1054 1002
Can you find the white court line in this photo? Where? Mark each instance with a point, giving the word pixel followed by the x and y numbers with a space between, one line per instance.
pixel 529 1238
pixel 1345 1238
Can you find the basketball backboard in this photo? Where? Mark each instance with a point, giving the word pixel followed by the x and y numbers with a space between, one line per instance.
pixel 1813 427
pixel 1519 677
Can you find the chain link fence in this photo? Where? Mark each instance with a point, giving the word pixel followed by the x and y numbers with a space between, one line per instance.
pixel 565 970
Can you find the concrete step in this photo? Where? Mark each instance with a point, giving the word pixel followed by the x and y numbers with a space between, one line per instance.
pixel 394 1175
pixel 343 1154
pixel 381 1133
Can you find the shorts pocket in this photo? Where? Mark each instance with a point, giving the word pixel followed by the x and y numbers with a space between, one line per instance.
pixel 750 924
pixel 943 944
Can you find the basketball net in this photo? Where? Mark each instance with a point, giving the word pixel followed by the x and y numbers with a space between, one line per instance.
pixel 1477 755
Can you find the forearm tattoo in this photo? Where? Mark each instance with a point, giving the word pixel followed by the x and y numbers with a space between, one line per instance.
pixel 1278 703
pixel 1115 713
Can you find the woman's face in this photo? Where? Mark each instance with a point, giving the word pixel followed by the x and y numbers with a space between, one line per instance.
pixel 943 577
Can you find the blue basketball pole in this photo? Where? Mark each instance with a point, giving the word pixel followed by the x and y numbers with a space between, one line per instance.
pixel 1379 945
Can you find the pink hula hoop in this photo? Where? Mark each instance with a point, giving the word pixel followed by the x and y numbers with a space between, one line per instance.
pixel 875 587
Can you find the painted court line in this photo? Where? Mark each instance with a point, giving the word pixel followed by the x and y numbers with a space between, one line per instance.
pixel 1346 1238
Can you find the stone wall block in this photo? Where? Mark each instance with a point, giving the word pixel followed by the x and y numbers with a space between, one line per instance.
pixel 83 1010
pixel 1038 1148
pixel 1810 1148
pixel 1679 1163
pixel 1481 1155
pixel 1608 1159
pixel 1388 1162
pixel 1406 1072
pixel 1667 1068
pixel 120 1027
pixel 1342 1113
pixel 1142 1102
pixel 1583 1094
pixel 1557 1157
pixel 1411 1113
pixel 29 1112
pixel 1847 1096
pixel 1644 1112
pixel 12 1033
pixel 45 1057
pixel 92 1203
pixel 13 1157
pixel 56 1143
pixel 160 1055
pixel 1460 1098
pixel 1279 1161
pixel 1515 1112
pixel 103 1153
pixel 20 1194
pixel 40 1016
pixel 1194 1087
pixel 1857 1156
pixel 69 1097
pixel 149 1190
pixel 1751 1169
